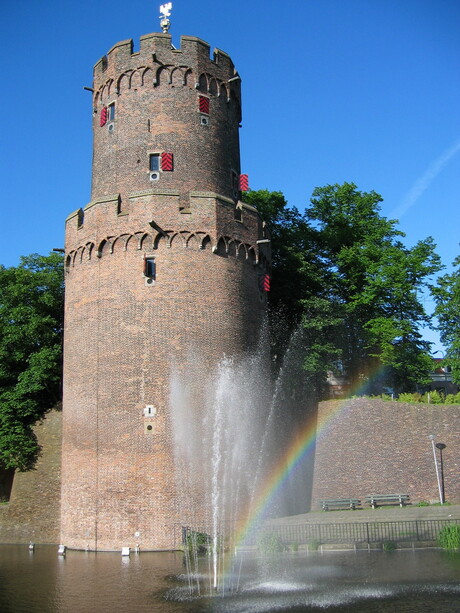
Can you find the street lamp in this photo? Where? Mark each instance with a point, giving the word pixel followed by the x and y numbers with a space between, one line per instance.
pixel 432 437
pixel 441 446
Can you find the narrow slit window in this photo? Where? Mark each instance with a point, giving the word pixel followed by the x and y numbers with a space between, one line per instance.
pixel 150 269
pixel 111 111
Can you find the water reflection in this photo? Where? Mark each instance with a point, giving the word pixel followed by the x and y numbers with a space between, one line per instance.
pixel 411 581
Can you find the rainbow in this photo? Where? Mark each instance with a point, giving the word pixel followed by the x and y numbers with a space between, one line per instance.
pixel 298 450
pixel 292 458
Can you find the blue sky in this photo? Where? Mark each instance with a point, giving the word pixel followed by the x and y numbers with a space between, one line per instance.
pixel 333 90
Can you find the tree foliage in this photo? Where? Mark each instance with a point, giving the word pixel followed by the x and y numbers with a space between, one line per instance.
pixel 447 297
pixel 31 316
pixel 346 275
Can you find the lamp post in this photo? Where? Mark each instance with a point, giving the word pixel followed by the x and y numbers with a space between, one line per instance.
pixel 432 437
pixel 441 446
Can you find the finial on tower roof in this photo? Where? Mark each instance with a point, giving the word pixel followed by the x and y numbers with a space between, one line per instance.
pixel 165 10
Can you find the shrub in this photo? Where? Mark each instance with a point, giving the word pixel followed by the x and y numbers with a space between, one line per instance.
pixel 453 398
pixel 433 397
pixel 197 541
pixel 269 543
pixel 314 545
pixel 449 537
pixel 409 397
pixel 423 503
pixel 388 545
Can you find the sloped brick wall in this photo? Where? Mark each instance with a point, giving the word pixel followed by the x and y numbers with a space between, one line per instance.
pixel 33 512
pixel 367 446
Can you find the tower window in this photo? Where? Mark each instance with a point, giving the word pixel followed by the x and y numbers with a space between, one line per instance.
pixel 150 268
pixel 163 162
pixel 154 161
pixel 111 110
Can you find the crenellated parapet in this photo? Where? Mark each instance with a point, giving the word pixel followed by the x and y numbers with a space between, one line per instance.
pixel 207 213
pixel 192 52
pixel 158 63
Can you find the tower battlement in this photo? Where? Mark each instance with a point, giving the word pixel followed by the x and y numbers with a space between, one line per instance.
pixel 157 48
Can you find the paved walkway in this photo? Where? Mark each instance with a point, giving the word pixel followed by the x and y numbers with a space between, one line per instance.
pixel 388 513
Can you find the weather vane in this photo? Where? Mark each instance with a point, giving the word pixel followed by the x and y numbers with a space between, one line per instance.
pixel 165 10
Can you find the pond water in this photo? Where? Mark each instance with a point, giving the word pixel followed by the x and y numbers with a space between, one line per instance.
pixel 404 581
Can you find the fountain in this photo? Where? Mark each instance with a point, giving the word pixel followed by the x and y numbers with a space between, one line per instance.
pixel 236 453
pixel 229 439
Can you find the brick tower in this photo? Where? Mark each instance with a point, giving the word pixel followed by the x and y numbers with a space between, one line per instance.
pixel 164 261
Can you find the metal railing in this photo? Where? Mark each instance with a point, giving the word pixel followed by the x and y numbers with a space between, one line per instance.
pixel 362 532
pixel 412 531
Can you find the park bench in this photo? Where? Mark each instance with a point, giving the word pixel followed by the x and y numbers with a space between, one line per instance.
pixel 376 500
pixel 340 503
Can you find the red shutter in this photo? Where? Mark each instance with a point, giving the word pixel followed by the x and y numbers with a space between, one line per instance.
pixel 167 162
pixel 103 115
pixel 244 183
pixel 204 104
pixel 264 283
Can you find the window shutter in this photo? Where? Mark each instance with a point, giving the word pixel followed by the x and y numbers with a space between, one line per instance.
pixel 167 162
pixel 204 104
pixel 264 283
pixel 244 183
pixel 103 116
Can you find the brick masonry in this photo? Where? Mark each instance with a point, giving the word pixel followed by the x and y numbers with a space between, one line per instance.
pixel 376 447
pixel 124 332
pixel 33 512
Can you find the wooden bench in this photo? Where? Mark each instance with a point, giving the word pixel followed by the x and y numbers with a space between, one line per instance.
pixel 340 503
pixel 376 500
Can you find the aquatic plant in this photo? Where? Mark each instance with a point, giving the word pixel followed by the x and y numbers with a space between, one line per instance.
pixel 449 536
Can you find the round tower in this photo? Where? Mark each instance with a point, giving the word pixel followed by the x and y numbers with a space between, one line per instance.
pixel 164 262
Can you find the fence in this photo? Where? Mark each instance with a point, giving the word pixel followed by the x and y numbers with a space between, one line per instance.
pixel 348 533
pixel 362 532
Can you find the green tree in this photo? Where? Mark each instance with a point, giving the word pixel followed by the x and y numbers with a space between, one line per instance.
pixel 447 297
pixel 341 270
pixel 31 316
pixel 374 286
pixel 299 290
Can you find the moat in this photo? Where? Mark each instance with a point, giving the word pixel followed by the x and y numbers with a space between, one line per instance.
pixel 409 581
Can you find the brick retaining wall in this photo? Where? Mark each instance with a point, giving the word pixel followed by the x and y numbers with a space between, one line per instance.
pixel 33 512
pixel 367 446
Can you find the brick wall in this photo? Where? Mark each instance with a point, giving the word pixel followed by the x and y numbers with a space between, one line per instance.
pixel 371 446
pixel 33 512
